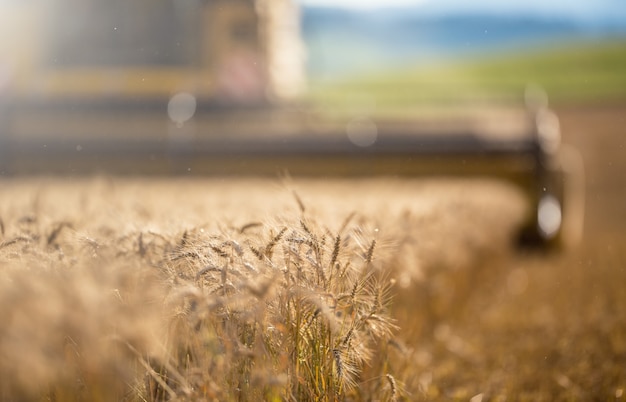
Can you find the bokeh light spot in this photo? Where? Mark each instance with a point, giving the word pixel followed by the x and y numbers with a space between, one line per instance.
pixel 181 107
pixel 549 216
pixel 362 131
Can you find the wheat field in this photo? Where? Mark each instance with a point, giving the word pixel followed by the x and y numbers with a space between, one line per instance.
pixel 213 289
pixel 227 289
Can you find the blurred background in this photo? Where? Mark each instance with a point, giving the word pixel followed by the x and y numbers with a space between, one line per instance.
pixel 406 52
pixel 179 57
pixel 197 86
pixel 393 54
pixel 180 86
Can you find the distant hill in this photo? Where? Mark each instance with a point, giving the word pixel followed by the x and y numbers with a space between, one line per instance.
pixel 345 42
pixel 583 72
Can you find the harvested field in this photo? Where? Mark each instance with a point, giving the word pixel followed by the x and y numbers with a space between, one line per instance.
pixel 237 289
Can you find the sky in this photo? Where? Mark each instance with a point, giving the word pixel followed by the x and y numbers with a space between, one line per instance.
pixel 363 4
pixel 614 9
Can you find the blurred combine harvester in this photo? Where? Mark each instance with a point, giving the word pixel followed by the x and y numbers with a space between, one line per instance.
pixel 238 51
pixel 207 87
pixel 147 76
